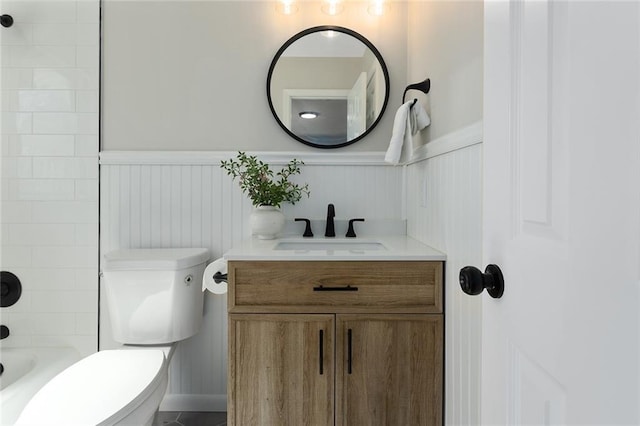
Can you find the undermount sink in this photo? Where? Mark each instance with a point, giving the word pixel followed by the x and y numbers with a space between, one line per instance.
pixel 329 245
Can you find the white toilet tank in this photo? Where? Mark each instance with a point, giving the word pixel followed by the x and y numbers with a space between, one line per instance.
pixel 154 296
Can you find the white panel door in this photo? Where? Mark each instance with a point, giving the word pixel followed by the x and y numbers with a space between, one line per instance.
pixel 562 213
pixel 357 107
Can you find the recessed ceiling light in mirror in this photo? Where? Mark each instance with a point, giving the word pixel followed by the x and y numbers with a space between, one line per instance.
pixel 308 115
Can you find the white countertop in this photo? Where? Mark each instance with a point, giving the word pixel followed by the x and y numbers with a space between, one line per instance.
pixel 393 248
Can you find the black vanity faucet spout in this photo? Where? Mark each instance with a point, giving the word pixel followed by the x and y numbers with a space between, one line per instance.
pixel 330 230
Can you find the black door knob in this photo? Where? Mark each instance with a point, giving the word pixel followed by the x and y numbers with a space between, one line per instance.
pixel 6 21
pixel 473 281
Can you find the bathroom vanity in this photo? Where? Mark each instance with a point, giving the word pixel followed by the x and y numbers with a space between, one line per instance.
pixel 335 331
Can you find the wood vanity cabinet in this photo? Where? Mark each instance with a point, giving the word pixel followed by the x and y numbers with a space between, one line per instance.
pixel 344 343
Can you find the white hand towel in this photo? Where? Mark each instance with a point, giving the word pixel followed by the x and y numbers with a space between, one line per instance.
pixel 408 121
pixel 400 135
pixel 419 118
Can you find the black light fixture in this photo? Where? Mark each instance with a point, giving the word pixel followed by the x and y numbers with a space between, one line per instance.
pixel 308 115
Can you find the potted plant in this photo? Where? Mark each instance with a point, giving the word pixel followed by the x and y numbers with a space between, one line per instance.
pixel 267 190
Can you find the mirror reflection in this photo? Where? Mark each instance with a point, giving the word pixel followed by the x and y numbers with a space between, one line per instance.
pixel 328 86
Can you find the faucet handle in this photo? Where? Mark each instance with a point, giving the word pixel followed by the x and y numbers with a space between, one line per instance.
pixel 307 229
pixel 350 232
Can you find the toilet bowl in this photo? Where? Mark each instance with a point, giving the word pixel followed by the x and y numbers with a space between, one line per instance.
pixel 152 296
pixel 113 387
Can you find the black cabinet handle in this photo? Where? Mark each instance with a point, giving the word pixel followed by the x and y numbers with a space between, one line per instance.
pixel 323 288
pixel 473 281
pixel 321 352
pixel 349 359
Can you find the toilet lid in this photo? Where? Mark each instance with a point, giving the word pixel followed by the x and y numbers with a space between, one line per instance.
pixel 97 388
pixel 154 259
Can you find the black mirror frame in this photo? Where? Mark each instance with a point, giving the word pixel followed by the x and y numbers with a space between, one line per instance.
pixel 345 31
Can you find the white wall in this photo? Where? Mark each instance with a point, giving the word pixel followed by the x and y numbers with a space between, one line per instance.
pixel 445 44
pixel 444 188
pixel 49 176
pixel 191 75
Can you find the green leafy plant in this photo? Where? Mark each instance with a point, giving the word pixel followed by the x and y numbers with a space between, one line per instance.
pixel 259 182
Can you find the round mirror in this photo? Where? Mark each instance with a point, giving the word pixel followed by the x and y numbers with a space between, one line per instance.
pixel 328 86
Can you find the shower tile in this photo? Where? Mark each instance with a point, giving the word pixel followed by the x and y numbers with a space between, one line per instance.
pixel 41 278
pixel 9 100
pixel 19 35
pixel 65 123
pixel 87 146
pixel 86 277
pixel 61 12
pixel 44 145
pixel 87 189
pixel 46 100
pixel 86 323
pixel 87 57
pixel 43 189
pixel 16 123
pixel 12 257
pixel 16 212
pixel 64 257
pixel 65 212
pixel 52 34
pixel 88 34
pixel 88 12
pixel 55 123
pixel 16 78
pixel 42 56
pixel 65 167
pixel 53 323
pixel 86 234
pixel 75 78
pixel 16 167
pixel 19 323
pixel 87 101
pixel 41 234
pixel 61 301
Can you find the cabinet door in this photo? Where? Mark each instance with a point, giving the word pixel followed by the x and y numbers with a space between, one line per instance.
pixel 281 370
pixel 389 370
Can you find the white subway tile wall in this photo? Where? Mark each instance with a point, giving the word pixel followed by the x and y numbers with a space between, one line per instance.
pixel 49 171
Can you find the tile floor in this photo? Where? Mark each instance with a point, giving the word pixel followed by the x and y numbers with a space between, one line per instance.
pixel 189 418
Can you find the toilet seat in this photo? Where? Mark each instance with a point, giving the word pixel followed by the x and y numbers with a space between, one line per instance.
pixel 98 390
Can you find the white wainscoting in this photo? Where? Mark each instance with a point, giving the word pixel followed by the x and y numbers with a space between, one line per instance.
pixel 444 210
pixel 186 200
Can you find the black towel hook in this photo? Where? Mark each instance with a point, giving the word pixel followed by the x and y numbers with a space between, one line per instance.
pixel 424 86
pixel 6 21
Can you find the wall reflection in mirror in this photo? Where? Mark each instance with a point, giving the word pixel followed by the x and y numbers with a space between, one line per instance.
pixel 328 86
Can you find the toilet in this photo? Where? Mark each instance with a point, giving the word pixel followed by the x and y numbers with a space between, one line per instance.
pixel 155 300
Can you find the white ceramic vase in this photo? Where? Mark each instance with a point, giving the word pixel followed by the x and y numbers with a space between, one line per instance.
pixel 266 222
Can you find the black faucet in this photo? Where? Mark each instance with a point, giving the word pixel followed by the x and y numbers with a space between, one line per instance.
pixel 330 230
